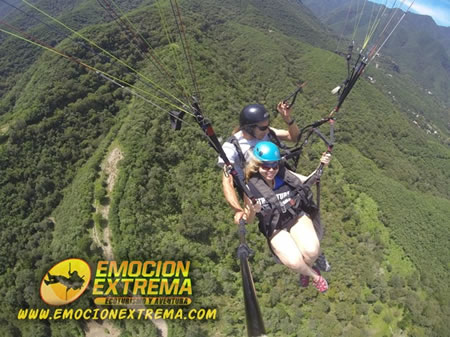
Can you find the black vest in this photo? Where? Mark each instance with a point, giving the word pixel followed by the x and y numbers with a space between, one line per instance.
pixel 284 204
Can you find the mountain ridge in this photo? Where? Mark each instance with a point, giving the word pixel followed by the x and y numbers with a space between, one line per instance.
pixel 167 202
pixel 419 46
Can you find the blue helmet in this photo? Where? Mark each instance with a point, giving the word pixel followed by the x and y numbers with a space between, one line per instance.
pixel 266 151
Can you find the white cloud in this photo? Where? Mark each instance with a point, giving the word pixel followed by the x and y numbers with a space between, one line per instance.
pixel 439 10
pixel 440 13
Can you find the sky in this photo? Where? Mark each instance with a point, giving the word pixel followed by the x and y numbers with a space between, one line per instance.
pixel 439 10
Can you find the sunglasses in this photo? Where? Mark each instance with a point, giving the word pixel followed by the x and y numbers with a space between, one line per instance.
pixel 262 128
pixel 270 165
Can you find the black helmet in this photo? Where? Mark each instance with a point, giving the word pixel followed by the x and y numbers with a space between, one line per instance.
pixel 253 114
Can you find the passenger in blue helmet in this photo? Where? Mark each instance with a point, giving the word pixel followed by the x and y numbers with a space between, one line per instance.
pixel 287 215
pixel 254 126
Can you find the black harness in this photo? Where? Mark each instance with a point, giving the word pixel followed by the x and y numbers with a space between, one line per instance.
pixel 300 200
pixel 233 140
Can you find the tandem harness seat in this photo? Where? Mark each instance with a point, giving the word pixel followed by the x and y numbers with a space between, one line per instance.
pixel 299 199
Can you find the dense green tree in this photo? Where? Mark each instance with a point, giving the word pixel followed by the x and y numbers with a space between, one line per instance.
pixel 58 122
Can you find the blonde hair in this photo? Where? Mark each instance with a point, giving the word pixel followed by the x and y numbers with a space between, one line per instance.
pixel 252 167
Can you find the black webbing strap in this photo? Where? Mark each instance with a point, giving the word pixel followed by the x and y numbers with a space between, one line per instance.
pixel 357 71
pixel 330 144
pixel 294 94
pixel 207 128
pixel 233 140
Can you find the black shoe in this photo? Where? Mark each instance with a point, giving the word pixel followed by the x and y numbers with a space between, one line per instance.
pixel 322 263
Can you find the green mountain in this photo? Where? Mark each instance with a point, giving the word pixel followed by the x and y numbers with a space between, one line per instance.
pixel 90 170
pixel 418 52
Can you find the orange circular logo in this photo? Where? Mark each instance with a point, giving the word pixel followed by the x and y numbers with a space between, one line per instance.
pixel 65 282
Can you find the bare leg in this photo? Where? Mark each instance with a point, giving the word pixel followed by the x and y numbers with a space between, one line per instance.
pixel 305 237
pixel 289 254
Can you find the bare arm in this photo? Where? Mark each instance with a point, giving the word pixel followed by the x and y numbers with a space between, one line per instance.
pixel 325 159
pixel 250 210
pixel 292 132
pixel 230 193
pixel 231 196
pixel 302 177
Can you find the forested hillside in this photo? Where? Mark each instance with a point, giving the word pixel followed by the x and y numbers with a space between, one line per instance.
pixel 417 55
pixel 385 196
